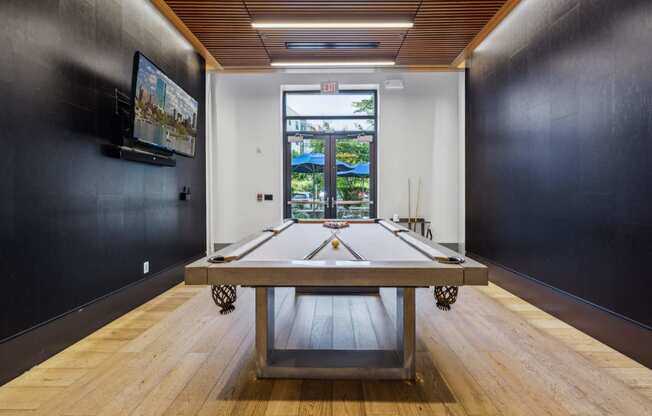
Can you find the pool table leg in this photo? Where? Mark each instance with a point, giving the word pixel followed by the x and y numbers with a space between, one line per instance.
pixel 265 323
pixel 395 364
pixel 405 329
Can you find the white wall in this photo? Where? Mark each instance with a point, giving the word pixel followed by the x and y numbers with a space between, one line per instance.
pixel 461 117
pixel 418 137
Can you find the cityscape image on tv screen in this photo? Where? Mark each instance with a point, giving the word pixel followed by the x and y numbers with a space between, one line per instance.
pixel 164 114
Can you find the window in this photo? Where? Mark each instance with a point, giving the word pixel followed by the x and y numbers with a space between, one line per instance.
pixel 317 105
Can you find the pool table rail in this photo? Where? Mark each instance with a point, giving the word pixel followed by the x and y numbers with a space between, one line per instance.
pixel 336 273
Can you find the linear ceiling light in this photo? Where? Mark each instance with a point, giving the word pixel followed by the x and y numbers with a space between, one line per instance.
pixel 332 25
pixel 331 63
pixel 332 45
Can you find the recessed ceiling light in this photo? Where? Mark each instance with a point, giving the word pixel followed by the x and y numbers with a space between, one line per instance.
pixel 331 63
pixel 331 45
pixel 348 70
pixel 332 25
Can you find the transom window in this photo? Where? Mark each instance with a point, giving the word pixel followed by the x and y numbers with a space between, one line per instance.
pixel 348 111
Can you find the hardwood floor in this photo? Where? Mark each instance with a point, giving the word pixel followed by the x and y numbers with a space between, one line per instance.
pixel 493 354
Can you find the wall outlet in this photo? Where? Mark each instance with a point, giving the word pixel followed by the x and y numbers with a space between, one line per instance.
pixel 146 267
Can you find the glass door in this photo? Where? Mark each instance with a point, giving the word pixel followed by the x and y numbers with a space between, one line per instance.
pixel 308 181
pixel 353 183
pixel 331 176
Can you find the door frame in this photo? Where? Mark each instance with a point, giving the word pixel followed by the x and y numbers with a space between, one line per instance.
pixel 330 138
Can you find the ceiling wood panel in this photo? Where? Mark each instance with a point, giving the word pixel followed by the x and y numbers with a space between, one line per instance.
pixel 299 9
pixel 442 29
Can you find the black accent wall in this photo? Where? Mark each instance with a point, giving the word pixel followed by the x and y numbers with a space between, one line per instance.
pixel 76 225
pixel 559 149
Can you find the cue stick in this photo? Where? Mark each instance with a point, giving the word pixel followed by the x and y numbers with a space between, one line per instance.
pixel 321 246
pixel 351 250
pixel 416 212
pixel 409 204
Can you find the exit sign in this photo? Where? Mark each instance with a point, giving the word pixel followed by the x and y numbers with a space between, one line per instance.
pixel 329 87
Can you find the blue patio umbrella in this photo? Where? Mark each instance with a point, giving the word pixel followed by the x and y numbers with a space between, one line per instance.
pixel 358 171
pixel 314 162
pixel 361 170
pixel 308 163
pixel 311 163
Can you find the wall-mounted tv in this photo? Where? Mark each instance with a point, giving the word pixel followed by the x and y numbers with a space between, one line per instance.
pixel 164 115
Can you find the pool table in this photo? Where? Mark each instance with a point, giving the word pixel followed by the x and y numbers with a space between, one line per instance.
pixel 368 253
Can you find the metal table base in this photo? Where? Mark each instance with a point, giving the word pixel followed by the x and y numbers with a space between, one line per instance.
pixel 396 364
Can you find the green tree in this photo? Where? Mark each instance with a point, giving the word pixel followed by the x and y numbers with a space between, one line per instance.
pixel 365 106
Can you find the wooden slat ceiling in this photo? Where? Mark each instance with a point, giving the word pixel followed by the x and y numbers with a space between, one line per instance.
pixel 442 29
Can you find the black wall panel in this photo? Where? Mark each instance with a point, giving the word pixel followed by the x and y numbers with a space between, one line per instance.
pixel 76 225
pixel 559 149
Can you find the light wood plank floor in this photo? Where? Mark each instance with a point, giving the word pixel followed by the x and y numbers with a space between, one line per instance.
pixel 493 354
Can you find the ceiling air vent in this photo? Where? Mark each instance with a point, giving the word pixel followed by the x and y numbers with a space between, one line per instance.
pixel 332 45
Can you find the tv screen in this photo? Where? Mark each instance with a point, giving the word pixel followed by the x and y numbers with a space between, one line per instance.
pixel 164 115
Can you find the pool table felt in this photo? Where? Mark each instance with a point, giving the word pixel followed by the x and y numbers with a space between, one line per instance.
pixel 371 241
